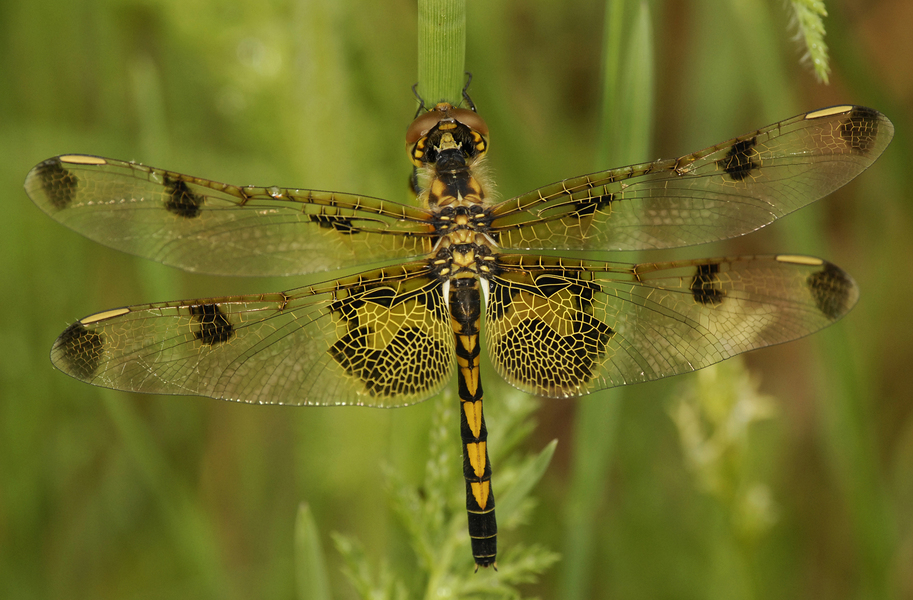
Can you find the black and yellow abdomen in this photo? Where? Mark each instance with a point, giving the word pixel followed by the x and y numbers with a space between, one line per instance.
pixel 465 315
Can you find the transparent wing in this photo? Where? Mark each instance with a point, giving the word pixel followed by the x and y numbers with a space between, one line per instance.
pixel 724 191
pixel 209 227
pixel 559 327
pixel 382 338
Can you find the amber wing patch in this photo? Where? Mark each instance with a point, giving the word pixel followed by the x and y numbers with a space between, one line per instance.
pixel 562 327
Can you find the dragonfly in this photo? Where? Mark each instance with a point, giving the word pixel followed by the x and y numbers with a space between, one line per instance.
pixel 556 325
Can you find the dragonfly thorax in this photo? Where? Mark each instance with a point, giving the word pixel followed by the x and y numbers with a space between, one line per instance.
pixel 456 191
pixel 452 183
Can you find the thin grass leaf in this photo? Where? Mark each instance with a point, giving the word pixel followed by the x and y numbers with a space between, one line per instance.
pixel 628 115
pixel 311 577
pixel 527 477
pixel 382 586
pixel 432 515
pixel 193 536
pixel 637 89
pixel 628 83
pixel 613 58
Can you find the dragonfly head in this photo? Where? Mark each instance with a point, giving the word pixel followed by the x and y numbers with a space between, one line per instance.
pixel 446 124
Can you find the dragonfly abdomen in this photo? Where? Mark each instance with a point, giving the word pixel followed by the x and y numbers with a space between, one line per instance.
pixel 465 316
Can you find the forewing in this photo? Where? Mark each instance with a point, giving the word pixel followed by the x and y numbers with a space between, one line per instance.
pixel 382 338
pixel 724 191
pixel 209 227
pixel 559 327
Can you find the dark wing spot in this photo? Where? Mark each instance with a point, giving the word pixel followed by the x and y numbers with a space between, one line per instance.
pixel 832 290
pixel 860 130
pixel 740 161
pixel 181 201
pixel 59 184
pixel 501 297
pixel 383 296
pixel 584 295
pixel 215 327
pixel 352 352
pixel 432 298
pixel 548 284
pixel 586 208
pixel 404 367
pixel 347 308
pixel 534 353
pixel 339 223
pixel 80 350
pixel 582 292
pixel 705 287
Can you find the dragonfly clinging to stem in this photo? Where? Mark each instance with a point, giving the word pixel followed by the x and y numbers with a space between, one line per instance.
pixel 557 326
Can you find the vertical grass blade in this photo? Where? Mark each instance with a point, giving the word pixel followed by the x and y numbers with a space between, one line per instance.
pixel 628 72
pixel 185 518
pixel 441 50
pixel 311 580
pixel 627 117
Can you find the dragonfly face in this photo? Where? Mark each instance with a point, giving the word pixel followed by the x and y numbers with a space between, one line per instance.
pixel 557 326
pixel 425 136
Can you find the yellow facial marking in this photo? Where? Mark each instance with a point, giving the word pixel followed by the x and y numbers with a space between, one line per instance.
pixel 476 455
pixel 480 493
pixel 473 411
pixel 447 142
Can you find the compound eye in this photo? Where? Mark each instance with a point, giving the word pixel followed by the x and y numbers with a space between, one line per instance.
pixel 425 123
pixel 470 119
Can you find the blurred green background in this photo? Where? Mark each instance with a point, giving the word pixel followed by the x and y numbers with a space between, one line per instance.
pixel 111 495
